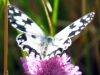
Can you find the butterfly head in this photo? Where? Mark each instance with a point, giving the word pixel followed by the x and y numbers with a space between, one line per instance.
pixel 49 39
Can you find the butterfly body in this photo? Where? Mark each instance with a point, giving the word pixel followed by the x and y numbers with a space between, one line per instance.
pixel 34 41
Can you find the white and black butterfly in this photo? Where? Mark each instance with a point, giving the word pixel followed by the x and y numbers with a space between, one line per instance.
pixel 34 41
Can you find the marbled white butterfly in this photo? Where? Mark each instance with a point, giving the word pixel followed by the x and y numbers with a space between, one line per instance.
pixel 34 41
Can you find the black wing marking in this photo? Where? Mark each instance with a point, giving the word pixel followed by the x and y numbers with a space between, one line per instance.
pixel 31 50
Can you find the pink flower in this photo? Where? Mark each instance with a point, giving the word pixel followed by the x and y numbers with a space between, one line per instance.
pixel 52 66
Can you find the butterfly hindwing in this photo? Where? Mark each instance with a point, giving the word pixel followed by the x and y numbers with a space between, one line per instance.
pixel 57 47
pixel 30 43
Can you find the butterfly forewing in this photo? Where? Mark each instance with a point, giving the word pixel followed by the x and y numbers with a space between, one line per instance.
pixel 22 22
pixel 75 28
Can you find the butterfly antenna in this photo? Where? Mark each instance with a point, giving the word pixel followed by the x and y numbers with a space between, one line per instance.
pixel 48 18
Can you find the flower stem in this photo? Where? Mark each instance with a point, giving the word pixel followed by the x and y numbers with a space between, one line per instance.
pixel 48 18
pixel 6 37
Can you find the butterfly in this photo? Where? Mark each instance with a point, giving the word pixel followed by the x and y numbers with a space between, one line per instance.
pixel 34 41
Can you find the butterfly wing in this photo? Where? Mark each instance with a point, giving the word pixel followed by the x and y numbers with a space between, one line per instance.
pixel 63 38
pixel 22 22
pixel 30 43
pixel 57 47
pixel 32 38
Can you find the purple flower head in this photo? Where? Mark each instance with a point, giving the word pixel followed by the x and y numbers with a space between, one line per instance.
pixel 52 66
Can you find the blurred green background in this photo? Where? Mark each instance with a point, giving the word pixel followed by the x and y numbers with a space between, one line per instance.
pixel 85 49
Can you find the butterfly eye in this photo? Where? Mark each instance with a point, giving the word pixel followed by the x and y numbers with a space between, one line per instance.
pixel 33 36
pixel 49 39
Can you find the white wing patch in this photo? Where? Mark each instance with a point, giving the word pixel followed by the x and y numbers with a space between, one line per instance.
pixel 34 41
